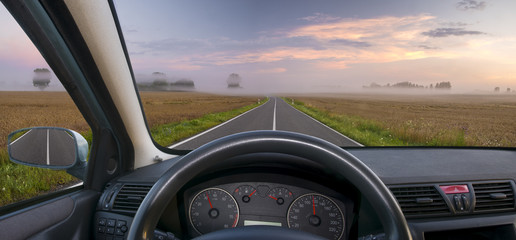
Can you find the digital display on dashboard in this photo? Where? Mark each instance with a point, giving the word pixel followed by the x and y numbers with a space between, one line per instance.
pixel 261 223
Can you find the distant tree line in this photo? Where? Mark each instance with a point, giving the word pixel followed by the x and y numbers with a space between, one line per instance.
pixel 159 82
pixel 407 84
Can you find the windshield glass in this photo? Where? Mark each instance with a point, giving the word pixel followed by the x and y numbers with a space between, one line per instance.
pixel 364 73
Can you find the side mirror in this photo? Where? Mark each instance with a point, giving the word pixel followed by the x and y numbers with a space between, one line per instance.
pixel 49 147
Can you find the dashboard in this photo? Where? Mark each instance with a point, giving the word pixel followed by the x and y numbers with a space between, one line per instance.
pixel 282 201
pixel 259 192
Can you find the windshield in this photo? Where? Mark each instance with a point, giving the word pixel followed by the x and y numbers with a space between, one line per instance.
pixel 364 73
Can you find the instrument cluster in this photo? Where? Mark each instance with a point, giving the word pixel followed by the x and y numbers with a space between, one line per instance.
pixel 321 212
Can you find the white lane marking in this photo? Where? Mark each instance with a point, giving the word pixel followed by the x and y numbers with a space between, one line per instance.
pixel 48 147
pixel 342 135
pixel 213 128
pixel 274 117
pixel 21 137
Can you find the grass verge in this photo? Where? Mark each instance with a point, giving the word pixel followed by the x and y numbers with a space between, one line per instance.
pixel 20 182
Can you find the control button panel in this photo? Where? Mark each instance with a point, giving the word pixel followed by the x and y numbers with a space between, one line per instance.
pixel 111 226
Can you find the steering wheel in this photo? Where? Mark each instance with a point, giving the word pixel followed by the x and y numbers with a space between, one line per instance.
pixel 334 159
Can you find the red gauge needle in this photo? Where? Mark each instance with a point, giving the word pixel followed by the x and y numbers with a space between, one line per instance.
pixel 236 220
pixel 211 206
pixel 273 197
pixel 313 203
pixel 252 193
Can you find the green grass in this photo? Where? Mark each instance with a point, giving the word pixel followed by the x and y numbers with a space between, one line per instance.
pixel 365 131
pixel 19 182
pixel 4 158
pixel 168 134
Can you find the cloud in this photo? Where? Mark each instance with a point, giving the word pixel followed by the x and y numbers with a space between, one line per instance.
pixel 271 70
pixel 172 45
pixel 466 5
pixel 446 32
pixel 326 42
pixel 456 24
pixel 346 42
pixel 337 45
pixel 320 18
pixel 427 47
pixel 329 45
pixel 177 46
pixel 333 65
pixel 396 28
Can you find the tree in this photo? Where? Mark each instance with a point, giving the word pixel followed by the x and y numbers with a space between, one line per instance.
pixel 497 89
pixel 159 81
pixel 184 84
pixel 443 85
pixel 234 80
pixel 41 78
pixel 508 90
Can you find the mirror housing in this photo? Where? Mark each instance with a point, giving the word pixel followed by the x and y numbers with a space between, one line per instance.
pixel 49 147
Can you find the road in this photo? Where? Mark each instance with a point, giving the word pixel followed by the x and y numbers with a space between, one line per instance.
pixel 276 114
pixel 42 146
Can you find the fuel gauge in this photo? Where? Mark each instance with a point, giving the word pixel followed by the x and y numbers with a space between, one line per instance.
pixel 244 192
pixel 280 195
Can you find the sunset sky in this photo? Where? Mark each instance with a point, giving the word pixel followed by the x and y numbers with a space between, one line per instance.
pixel 279 46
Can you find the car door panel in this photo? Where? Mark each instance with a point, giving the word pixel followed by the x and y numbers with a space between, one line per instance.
pixel 68 216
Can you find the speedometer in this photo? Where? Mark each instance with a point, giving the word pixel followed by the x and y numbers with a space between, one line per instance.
pixel 213 209
pixel 317 214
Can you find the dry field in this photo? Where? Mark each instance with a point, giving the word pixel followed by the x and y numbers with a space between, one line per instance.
pixel 29 109
pixel 165 107
pixel 482 120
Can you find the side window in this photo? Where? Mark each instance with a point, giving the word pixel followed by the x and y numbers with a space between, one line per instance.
pixel 30 96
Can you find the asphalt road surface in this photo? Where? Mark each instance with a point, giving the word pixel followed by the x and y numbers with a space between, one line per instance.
pixel 42 146
pixel 276 114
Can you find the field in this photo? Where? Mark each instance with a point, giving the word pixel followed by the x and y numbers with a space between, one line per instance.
pixel 163 108
pixel 424 120
pixel 29 109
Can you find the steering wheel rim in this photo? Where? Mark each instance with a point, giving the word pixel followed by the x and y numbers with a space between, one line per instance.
pixel 333 158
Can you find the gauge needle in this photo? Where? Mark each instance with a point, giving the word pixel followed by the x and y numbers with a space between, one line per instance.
pixel 211 206
pixel 252 193
pixel 236 220
pixel 273 197
pixel 313 203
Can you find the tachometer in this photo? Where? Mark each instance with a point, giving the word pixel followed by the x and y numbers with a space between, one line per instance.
pixel 317 214
pixel 213 209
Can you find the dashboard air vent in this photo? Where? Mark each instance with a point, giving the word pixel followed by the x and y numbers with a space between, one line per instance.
pixel 420 201
pixel 493 196
pixel 130 197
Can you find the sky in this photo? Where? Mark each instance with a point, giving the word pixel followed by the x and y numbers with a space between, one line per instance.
pixel 305 46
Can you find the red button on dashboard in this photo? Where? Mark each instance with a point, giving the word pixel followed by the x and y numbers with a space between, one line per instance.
pixel 451 189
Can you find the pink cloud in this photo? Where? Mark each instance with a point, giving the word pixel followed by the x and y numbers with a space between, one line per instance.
pixel 397 28
pixel 272 70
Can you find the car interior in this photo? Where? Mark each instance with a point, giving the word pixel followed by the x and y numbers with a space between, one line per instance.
pixel 262 183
